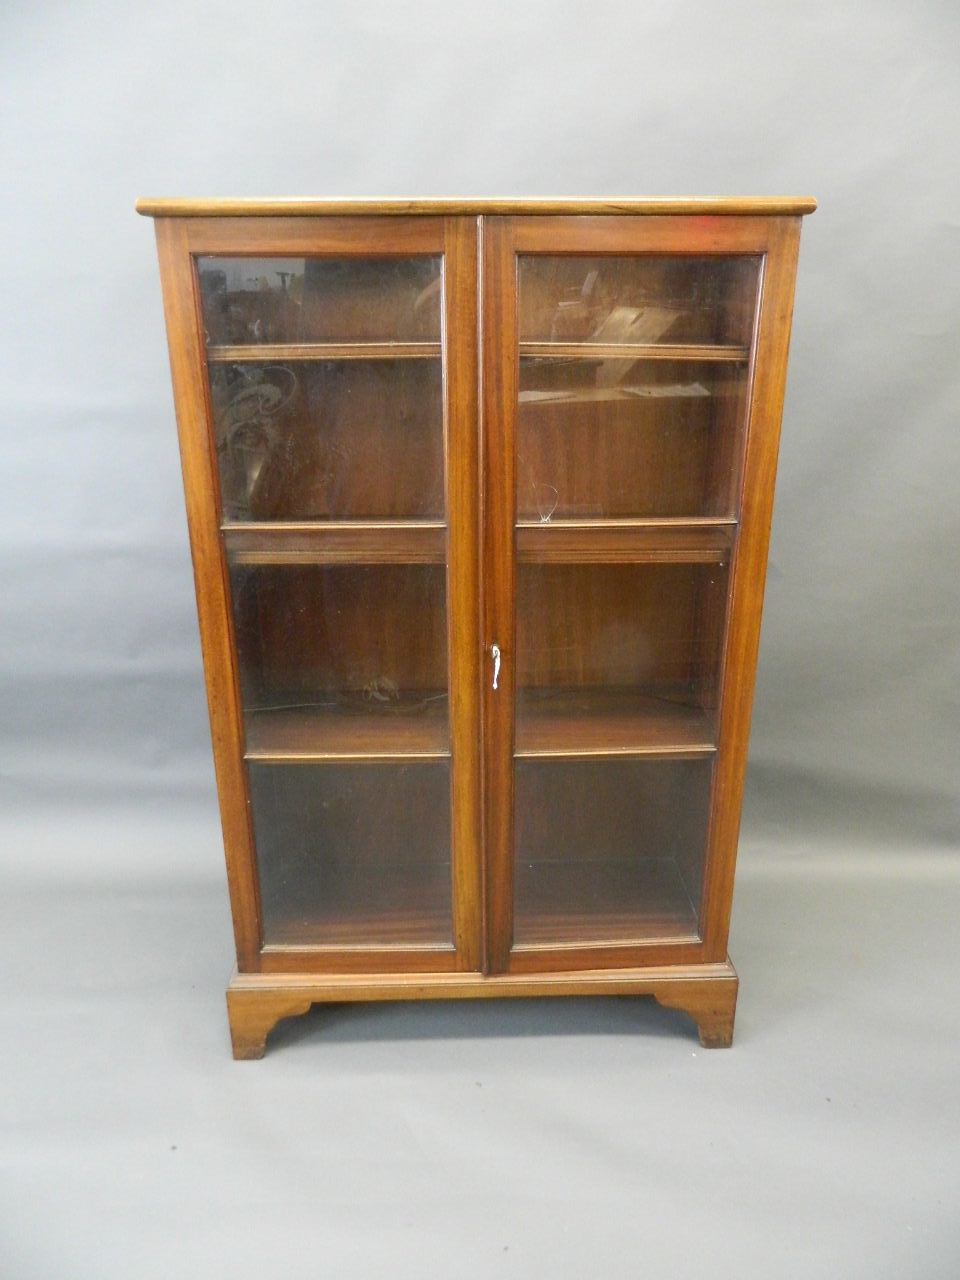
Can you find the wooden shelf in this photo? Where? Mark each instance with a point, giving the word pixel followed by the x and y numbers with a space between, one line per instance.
pixel 633 351
pixel 260 352
pixel 583 723
pixel 414 727
pixel 337 542
pixel 693 541
pixel 569 902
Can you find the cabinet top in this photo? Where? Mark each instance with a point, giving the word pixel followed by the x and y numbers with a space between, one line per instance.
pixel 177 207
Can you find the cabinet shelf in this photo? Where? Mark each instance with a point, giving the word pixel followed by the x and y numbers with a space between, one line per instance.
pixel 337 542
pixel 585 723
pixel 415 726
pixel 709 352
pixel 693 541
pixel 257 353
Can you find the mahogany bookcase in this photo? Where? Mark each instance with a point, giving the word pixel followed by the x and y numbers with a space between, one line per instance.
pixel 479 497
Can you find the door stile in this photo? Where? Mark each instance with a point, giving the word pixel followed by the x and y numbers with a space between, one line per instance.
pixel 499 398
pixel 463 580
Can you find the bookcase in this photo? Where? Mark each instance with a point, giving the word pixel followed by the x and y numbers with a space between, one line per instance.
pixel 479 496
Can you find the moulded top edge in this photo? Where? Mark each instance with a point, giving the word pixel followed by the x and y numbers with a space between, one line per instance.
pixel 177 207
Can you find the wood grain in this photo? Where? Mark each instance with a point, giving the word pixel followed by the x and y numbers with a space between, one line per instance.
pixel 258 352
pixel 748 573
pixel 631 351
pixel 294 206
pixel 461 374
pixel 407 728
pixel 581 723
pixel 255 1003
pixel 497 435
pixel 627 630
pixel 336 542
pixel 184 338
pixel 625 541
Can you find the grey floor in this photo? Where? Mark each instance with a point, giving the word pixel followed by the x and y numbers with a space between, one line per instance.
pixel 545 1138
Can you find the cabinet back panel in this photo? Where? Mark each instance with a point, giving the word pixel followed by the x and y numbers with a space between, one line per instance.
pixel 319 440
pixel 653 439
pixel 628 625
pixel 270 300
pixel 353 854
pixel 640 297
pixel 609 849
pixel 305 630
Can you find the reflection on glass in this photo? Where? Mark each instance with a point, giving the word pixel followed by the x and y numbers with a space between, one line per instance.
pixel 371 639
pixel 276 300
pixel 662 442
pixel 609 850
pixel 633 385
pixel 353 855
pixel 617 683
pixel 326 392
pixel 647 629
pixel 643 298
pixel 329 440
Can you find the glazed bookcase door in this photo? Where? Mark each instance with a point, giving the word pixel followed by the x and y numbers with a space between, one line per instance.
pixel 331 406
pixel 625 523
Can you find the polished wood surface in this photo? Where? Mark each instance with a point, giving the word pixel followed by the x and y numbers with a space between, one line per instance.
pixel 461 373
pixel 175 207
pixel 184 339
pixel 257 1002
pixel 412 727
pixel 336 542
pixel 583 722
pixel 748 577
pixel 625 541
pixel 580 474
pixel 631 351
pixel 257 352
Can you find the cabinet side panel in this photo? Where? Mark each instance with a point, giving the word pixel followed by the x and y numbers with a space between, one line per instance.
pixel 748 576
pixel 460 340
pixel 213 611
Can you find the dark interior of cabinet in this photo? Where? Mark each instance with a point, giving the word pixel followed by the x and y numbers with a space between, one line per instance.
pixel 652 298
pixel 609 850
pixel 366 642
pixel 353 854
pixel 650 629
pixel 274 300
pixel 601 439
pixel 329 440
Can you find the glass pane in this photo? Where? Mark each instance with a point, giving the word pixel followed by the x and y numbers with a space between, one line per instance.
pixel 643 298
pixel 353 855
pixel 342 659
pixel 619 631
pixel 342 418
pixel 326 391
pixel 617 675
pixel 609 850
pixel 329 440
pixel 633 385
pixel 613 438
pixel 276 300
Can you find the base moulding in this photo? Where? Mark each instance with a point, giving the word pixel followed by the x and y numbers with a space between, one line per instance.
pixel 257 1002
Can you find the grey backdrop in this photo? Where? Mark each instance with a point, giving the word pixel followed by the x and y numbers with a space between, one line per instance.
pixel 107 806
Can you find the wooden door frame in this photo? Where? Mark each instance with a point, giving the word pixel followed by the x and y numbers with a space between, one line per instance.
pixel 179 241
pixel 776 241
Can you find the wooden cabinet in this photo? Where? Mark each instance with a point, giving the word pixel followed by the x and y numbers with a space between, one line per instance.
pixel 479 496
